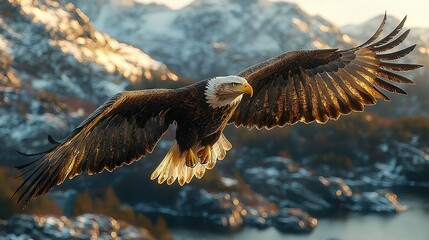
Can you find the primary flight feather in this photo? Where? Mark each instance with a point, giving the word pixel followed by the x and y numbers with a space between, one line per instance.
pixel 305 86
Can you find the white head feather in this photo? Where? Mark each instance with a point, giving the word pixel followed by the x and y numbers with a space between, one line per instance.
pixel 217 94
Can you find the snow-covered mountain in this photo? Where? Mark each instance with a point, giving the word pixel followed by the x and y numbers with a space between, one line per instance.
pixel 55 68
pixel 220 37
pixel 213 37
pixel 64 42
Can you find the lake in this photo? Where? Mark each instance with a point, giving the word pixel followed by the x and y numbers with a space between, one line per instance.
pixel 412 224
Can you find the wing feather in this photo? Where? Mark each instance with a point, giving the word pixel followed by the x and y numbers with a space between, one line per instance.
pixel 122 130
pixel 391 35
pixel 331 103
pixel 292 99
pixel 394 77
pixel 391 44
pixel 318 112
pixel 398 66
pixel 341 100
pixel 318 85
pixel 376 34
pixel 396 55
pixel 388 86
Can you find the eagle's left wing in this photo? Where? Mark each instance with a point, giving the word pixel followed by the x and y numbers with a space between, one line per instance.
pixel 318 85
pixel 121 131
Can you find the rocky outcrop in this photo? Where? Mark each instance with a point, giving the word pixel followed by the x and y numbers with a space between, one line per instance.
pixel 86 226
pixel 282 182
pixel 221 211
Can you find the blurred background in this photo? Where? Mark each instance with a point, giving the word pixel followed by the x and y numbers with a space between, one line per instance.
pixel 365 176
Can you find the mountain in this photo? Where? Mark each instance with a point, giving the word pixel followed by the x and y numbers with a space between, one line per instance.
pixel 208 37
pixel 55 68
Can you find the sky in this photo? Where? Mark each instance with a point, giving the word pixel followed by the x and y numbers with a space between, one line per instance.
pixel 343 12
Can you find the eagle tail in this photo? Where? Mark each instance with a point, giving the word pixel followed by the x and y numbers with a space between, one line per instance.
pixel 170 166
pixel 173 166
pixel 219 149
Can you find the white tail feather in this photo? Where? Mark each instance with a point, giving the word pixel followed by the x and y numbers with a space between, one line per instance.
pixel 173 165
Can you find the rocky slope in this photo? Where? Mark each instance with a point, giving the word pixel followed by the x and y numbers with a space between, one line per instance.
pixel 228 212
pixel 56 67
pixel 282 181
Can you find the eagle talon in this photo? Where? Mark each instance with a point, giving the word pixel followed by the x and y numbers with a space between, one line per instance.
pixel 191 159
pixel 205 154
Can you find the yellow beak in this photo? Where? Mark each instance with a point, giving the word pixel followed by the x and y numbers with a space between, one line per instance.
pixel 246 88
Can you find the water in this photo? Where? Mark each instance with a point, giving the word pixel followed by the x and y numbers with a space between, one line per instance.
pixel 411 225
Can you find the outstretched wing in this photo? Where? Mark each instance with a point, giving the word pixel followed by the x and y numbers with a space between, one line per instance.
pixel 318 85
pixel 122 130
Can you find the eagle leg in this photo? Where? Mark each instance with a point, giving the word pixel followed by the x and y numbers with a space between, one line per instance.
pixel 205 154
pixel 191 159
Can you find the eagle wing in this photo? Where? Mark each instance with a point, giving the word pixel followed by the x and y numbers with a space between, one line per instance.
pixel 120 131
pixel 317 85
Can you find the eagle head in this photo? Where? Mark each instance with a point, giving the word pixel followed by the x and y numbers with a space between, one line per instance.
pixel 228 90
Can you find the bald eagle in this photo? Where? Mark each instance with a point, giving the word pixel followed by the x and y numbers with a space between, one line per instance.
pixel 298 86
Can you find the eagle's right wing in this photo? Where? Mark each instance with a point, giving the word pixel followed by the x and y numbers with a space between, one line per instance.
pixel 318 85
pixel 122 130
